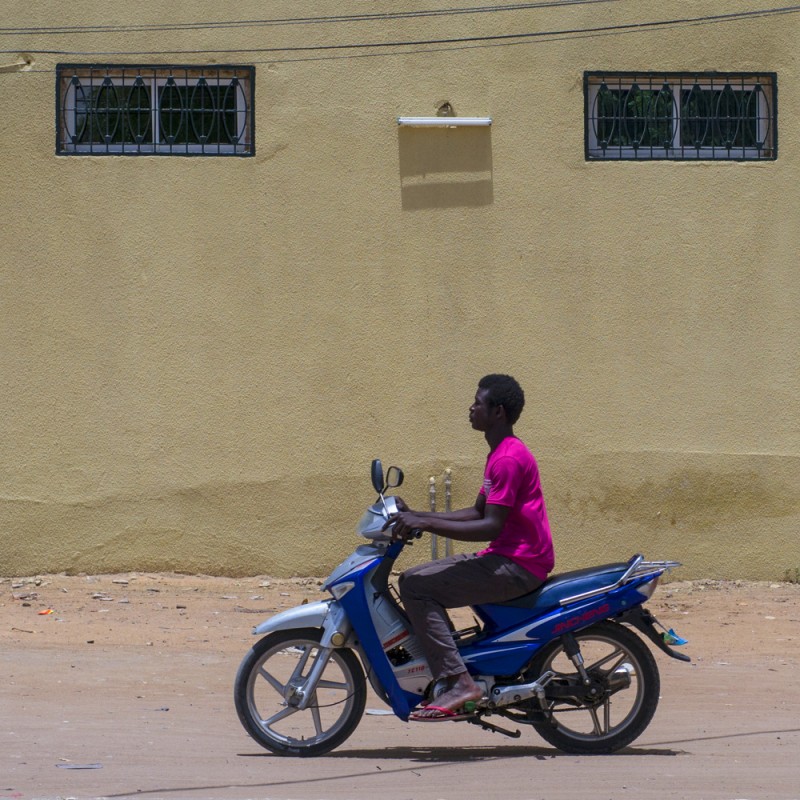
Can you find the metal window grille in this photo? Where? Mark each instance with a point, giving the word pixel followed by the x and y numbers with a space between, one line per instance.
pixel 685 116
pixel 154 110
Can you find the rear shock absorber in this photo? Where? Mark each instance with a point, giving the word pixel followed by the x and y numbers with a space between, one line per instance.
pixel 573 650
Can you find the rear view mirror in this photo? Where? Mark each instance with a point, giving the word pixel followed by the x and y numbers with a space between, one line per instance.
pixel 394 477
pixel 377 475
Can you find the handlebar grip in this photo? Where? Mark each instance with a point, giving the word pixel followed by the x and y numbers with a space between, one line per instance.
pixel 417 533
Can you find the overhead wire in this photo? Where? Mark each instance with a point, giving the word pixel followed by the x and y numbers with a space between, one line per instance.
pixel 376 17
pixel 438 45
pixel 554 36
pixel 486 38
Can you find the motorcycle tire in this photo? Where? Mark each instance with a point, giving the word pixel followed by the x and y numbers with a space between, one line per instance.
pixel 624 671
pixel 266 694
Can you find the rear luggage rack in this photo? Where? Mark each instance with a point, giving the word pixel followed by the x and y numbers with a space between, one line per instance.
pixel 637 568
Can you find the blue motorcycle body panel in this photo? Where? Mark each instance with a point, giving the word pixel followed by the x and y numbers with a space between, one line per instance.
pixel 356 605
pixel 513 635
pixel 512 632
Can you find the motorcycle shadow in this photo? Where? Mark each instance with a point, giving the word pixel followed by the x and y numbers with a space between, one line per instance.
pixel 489 753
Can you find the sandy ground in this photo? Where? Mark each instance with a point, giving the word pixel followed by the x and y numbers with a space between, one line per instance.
pixel 121 686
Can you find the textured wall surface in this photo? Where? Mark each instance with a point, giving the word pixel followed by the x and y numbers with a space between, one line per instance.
pixel 200 356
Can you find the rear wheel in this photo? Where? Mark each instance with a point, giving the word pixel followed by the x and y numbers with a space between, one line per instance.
pixel 270 685
pixel 616 707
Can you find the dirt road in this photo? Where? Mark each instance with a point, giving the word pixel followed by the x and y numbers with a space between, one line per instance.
pixel 125 690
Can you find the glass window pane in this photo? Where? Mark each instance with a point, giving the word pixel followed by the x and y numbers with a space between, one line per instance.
pixel 138 110
pixel 680 116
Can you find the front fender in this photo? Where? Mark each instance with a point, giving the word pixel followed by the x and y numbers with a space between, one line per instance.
pixel 310 615
pixel 328 615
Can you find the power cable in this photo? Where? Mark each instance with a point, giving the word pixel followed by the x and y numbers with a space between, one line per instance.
pixel 496 38
pixel 392 15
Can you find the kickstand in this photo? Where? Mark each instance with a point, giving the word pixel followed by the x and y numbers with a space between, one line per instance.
pixel 487 726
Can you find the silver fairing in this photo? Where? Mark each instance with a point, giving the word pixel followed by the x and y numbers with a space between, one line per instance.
pixel 363 555
pixel 370 526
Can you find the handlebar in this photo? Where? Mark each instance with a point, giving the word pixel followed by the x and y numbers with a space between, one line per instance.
pixel 416 533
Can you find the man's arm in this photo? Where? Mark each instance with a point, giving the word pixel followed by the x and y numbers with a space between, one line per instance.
pixel 480 523
pixel 464 514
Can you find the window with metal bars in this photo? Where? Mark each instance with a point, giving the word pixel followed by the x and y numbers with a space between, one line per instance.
pixel 155 110
pixel 680 116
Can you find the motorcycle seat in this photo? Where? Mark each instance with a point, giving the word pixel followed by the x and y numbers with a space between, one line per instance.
pixel 567 584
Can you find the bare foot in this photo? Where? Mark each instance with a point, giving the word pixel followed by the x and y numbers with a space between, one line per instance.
pixel 462 690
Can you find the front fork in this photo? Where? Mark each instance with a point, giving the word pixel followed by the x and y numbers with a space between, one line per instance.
pixel 304 689
pixel 335 630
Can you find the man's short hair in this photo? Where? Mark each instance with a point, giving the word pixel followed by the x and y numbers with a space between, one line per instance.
pixel 504 391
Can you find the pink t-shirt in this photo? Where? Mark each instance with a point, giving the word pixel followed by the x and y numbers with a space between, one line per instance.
pixel 511 478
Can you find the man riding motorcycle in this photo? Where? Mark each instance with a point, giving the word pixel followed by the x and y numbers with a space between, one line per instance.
pixel 510 512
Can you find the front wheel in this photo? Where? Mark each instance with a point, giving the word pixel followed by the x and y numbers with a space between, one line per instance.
pixel 617 705
pixel 270 685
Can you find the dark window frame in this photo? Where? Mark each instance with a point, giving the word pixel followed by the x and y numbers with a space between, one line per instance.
pixel 155 110
pixel 654 116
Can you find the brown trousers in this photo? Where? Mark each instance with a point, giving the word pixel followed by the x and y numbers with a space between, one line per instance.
pixel 453 582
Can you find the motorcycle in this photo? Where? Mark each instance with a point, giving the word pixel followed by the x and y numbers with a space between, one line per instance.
pixel 563 660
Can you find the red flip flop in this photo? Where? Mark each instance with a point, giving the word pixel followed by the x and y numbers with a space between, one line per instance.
pixel 441 714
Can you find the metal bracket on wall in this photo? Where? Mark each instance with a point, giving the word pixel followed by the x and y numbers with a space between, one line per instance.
pixel 448 543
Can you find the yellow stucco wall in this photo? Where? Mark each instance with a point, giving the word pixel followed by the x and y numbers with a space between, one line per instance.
pixel 200 356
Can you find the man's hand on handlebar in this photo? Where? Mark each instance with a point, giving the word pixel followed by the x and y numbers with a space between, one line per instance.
pixel 405 525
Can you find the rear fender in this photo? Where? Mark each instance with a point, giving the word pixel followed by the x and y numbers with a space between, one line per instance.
pixel 641 619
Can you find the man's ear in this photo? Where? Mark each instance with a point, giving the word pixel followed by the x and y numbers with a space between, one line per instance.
pixel 500 410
